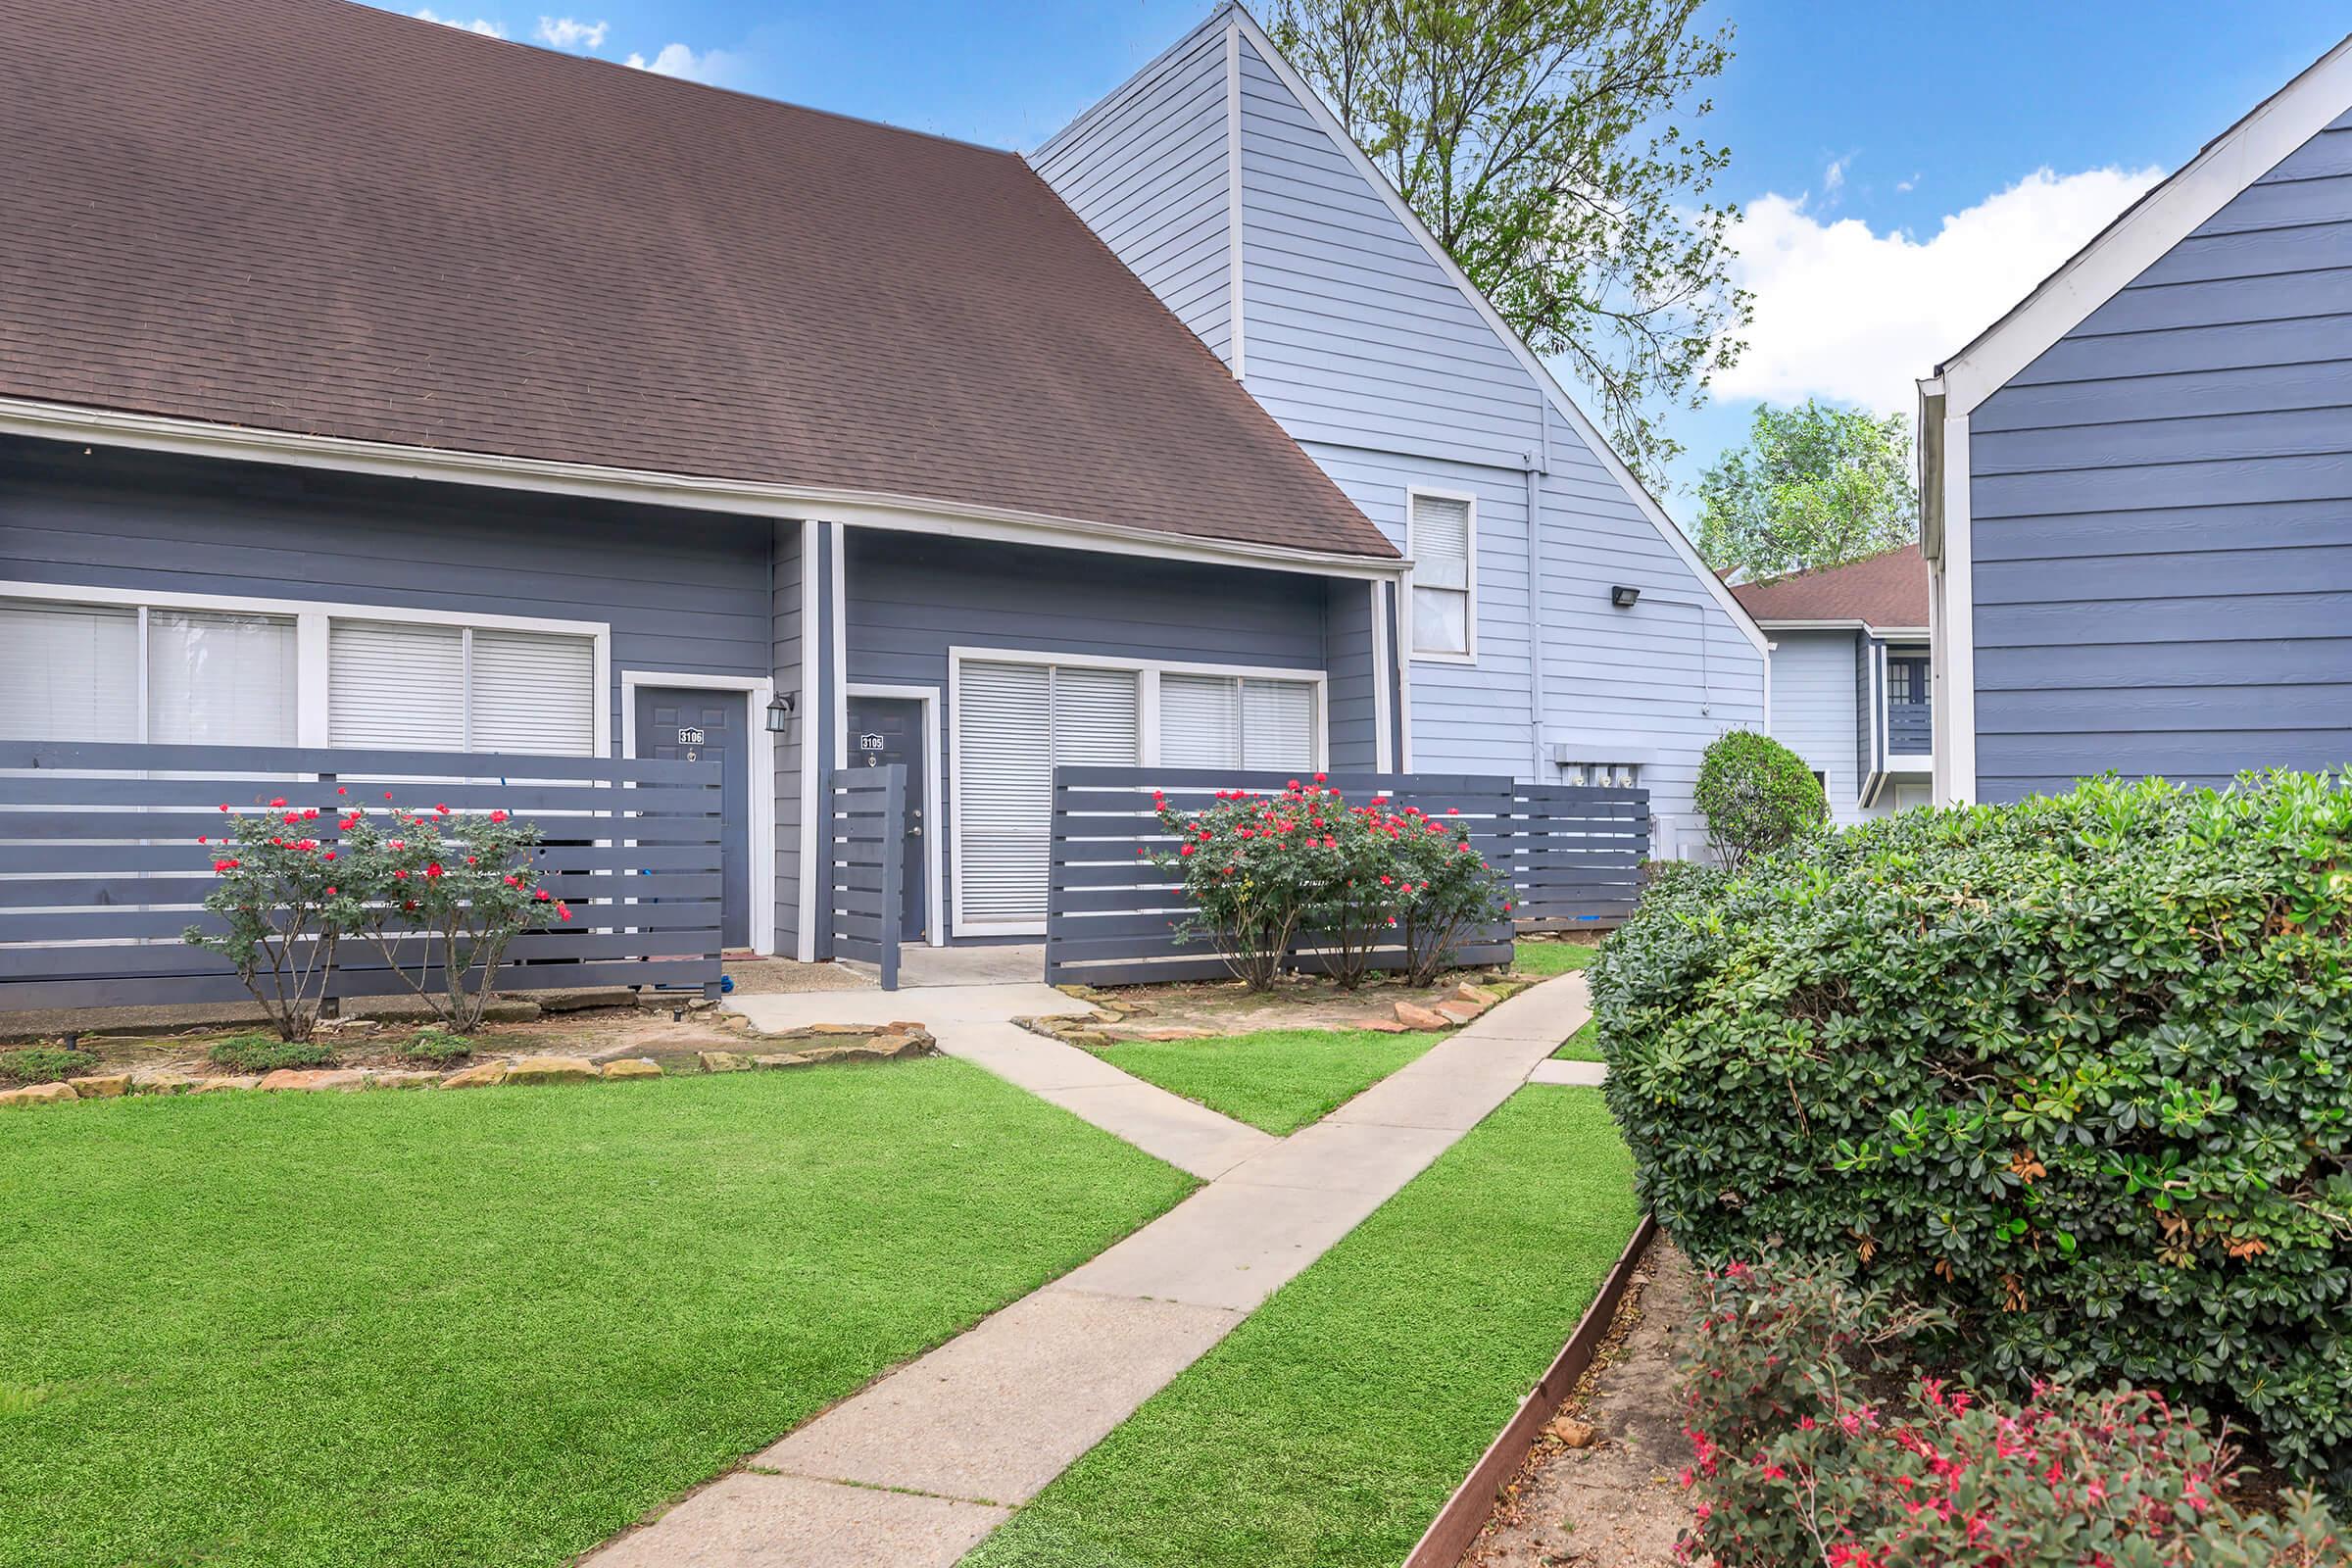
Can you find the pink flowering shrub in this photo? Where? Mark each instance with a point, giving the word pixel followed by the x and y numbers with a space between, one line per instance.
pixel 1810 1448
pixel 278 892
pixel 447 892
pixel 1264 874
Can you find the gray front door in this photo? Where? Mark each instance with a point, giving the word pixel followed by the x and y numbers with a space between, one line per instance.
pixel 885 730
pixel 678 722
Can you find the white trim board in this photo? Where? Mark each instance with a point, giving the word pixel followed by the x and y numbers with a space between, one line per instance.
pixel 759 765
pixel 60 421
pixel 934 884
pixel 813 668
pixel 1147 736
pixel 1554 393
pixel 312 618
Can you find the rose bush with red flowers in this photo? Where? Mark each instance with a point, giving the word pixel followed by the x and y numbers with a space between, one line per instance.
pixel 431 890
pixel 1813 1448
pixel 280 897
pixel 446 891
pixel 1265 875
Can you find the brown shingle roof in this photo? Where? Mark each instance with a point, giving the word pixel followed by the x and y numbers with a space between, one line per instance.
pixel 1884 590
pixel 313 217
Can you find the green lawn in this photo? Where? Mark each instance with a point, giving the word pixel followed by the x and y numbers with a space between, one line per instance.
pixel 1551 957
pixel 1277 1079
pixel 491 1327
pixel 1582 1046
pixel 1330 1426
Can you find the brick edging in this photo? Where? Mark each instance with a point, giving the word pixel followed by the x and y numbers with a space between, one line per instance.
pixel 1466 1512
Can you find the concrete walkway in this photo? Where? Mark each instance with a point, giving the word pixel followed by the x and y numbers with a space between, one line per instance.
pixel 914 1470
pixel 974 1022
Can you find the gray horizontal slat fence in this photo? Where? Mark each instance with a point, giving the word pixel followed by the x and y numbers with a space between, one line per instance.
pixel 1576 854
pixel 101 872
pixel 1111 915
pixel 867 837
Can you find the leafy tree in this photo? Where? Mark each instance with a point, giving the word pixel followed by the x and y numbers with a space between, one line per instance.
pixel 1757 795
pixel 1544 143
pixel 1815 486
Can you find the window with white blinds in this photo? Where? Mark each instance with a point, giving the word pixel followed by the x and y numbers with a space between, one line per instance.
pixel 411 686
pixel 221 679
pixel 1442 539
pixel 73 673
pixel 1236 722
pixel 1013 723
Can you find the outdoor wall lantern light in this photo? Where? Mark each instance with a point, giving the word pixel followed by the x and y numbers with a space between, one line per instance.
pixel 780 710
pixel 1623 597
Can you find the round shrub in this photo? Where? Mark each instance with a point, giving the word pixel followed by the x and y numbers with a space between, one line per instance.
pixel 1757 795
pixel 2077 1071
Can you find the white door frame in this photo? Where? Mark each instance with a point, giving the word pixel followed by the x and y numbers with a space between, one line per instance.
pixel 759 761
pixel 933 831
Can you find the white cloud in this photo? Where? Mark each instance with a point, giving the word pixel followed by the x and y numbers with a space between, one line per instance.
pixel 482 24
pixel 569 32
pixel 676 59
pixel 1911 183
pixel 1846 312
pixel 1833 178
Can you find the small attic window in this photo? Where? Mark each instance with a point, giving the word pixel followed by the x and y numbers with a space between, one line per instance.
pixel 1441 537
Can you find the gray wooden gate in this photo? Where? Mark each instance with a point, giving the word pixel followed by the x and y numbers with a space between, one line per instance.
pixel 865 838
pixel 1573 855
pixel 101 872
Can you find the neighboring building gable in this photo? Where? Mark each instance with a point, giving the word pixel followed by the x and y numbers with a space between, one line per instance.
pixel 1368 349
pixel 2161 509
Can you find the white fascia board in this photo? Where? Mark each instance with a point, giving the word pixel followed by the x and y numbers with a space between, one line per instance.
pixel 2150 228
pixel 57 421
pixel 1555 394
pixel 1845 624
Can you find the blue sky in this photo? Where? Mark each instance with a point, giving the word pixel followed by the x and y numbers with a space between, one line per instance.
pixel 1908 171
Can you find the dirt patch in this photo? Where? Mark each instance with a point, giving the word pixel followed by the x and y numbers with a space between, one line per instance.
pixel 1612 1501
pixel 1306 1001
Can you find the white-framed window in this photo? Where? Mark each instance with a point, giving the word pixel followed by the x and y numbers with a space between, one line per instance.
pixel 1441 538
pixel 107 665
pixel 135 672
pixel 418 686
pixel 1015 715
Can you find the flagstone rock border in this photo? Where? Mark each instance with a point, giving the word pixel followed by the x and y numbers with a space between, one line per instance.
pixel 810 1047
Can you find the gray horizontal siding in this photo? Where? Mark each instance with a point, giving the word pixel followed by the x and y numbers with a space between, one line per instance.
pixel 2162 509
pixel 1814 709
pixel 1147 171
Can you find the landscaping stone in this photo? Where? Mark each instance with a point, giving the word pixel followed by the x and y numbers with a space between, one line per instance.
pixel 510 1010
pixel 161 1081
pixel 1413 1017
pixel 102 1085
pixel 349 1026
pixel 784 1058
pixel 481 1075
pixel 402 1078
pixel 632 1067
pixel 38 1095
pixel 1466 991
pixel 724 1062
pixel 1203 1033
pixel 315 1079
pixel 209 1086
pixel 1383 1027
pixel 1572 1433
pixel 583 1001
pixel 1462 1011
pixel 550 1070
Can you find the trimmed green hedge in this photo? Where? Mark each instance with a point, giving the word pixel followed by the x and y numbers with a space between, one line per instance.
pixel 2077 1070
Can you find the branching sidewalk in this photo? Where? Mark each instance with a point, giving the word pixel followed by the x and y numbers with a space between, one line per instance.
pixel 918 1468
